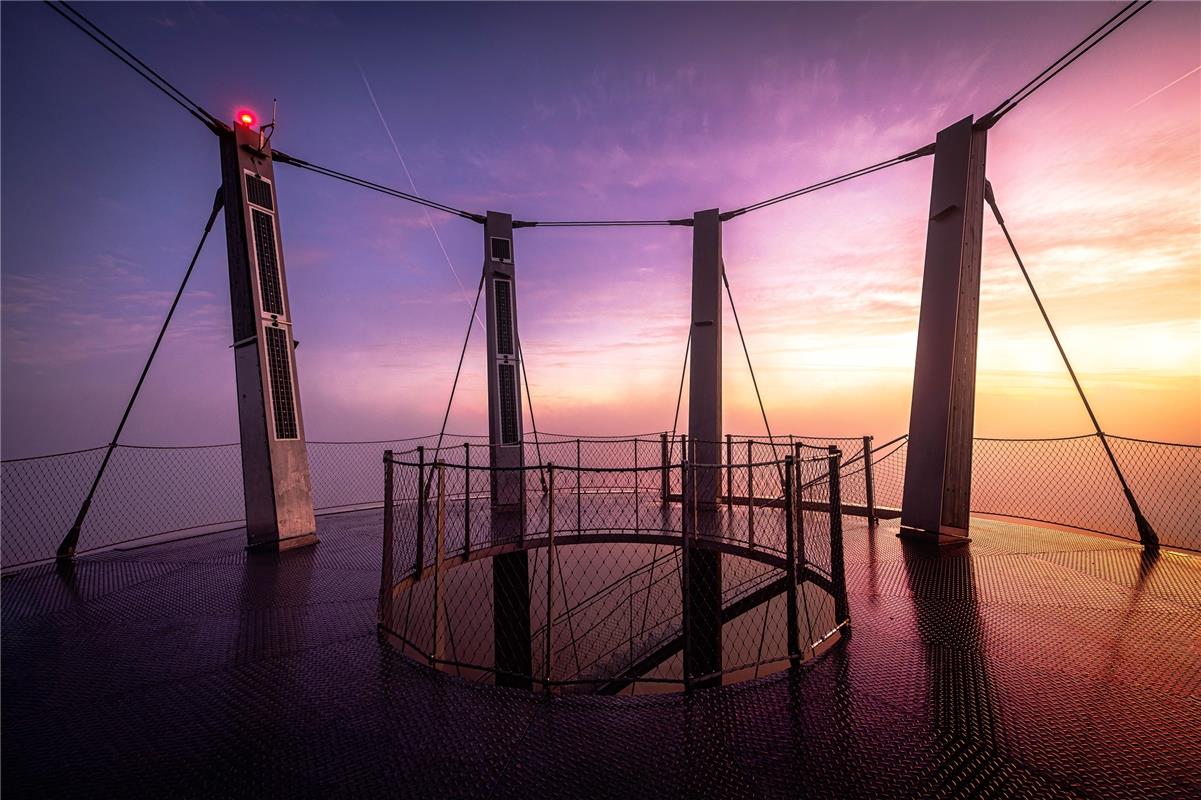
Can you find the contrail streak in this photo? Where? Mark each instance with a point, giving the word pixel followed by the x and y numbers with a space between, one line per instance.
pixel 1165 88
pixel 409 175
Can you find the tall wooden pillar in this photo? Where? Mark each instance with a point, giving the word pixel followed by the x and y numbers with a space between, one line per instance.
pixel 510 572
pixel 703 638
pixel 275 465
pixel 938 466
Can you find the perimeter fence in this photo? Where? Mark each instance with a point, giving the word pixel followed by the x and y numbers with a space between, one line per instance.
pixel 151 491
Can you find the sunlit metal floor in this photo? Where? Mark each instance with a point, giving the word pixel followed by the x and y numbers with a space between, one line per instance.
pixel 1038 663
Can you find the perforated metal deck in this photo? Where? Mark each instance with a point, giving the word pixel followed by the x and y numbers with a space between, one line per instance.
pixel 1038 663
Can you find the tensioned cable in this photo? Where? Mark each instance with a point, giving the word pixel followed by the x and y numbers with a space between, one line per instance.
pixel 97 34
pixel 1063 62
pixel 458 370
pixel 284 158
pixel 988 120
pixel 745 351
pixel 603 223
pixel 529 401
pixel 1146 533
pixel 901 159
pixel 66 549
pixel 198 111
pixel 675 422
pixel 927 150
pixel 1059 60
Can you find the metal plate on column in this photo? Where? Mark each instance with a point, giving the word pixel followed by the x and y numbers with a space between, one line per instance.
pixel 268 263
pixel 279 367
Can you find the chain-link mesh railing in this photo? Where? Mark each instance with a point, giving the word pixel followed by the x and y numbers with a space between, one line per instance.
pixel 888 472
pixel 1166 479
pixel 145 491
pixel 608 578
pixel 1071 482
pixel 39 498
pixel 152 491
pixel 1044 479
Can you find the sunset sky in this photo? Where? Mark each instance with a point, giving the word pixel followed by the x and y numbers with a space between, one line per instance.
pixel 585 111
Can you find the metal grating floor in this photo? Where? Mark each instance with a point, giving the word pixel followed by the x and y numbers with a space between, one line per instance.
pixel 1040 663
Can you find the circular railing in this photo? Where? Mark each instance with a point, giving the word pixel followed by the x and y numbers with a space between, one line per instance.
pixel 638 578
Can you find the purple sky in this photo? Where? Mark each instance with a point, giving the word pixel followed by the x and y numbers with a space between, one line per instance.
pixel 598 111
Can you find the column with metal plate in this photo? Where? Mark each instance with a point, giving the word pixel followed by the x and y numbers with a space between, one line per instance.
pixel 510 571
pixel 275 465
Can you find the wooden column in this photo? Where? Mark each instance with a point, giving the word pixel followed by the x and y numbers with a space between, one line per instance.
pixel 938 465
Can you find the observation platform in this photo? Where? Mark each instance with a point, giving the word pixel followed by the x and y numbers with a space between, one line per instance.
pixel 1036 662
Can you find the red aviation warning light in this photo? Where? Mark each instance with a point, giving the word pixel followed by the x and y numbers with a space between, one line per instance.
pixel 245 118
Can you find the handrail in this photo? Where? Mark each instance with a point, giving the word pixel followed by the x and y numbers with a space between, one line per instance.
pixel 566 438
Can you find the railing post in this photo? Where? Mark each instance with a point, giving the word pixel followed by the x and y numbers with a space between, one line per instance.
pixel 838 573
pixel 729 470
pixel 437 652
pixel 683 457
pixel 868 482
pixel 750 492
pixel 664 475
pixel 384 610
pixel 630 619
pixel 419 555
pixel 550 575
pixel 790 572
pixel 794 450
pixel 466 499
pixel 637 513
pixel 685 589
pixel 798 488
pixel 579 519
